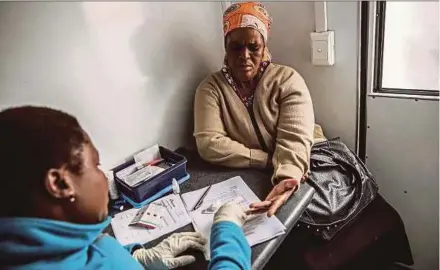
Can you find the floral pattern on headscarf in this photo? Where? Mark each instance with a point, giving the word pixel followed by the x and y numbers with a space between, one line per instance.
pixel 249 14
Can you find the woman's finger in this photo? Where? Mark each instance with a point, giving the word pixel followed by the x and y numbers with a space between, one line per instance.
pixel 276 190
pixel 256 211
pixel 282 187
pixel 278 202
pixel 263 204
pixel 275 197
pixel 274 207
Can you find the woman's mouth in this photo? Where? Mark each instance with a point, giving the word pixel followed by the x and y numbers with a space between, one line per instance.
pixel 245 67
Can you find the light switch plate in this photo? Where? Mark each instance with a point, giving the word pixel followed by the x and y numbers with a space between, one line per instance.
pixel 323 48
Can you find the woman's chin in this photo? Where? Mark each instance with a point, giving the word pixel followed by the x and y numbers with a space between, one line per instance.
pixel 245 76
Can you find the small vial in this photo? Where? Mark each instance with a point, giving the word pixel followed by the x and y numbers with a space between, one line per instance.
pixel 112 185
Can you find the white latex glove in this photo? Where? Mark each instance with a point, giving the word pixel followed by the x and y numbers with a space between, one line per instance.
pixel 231 211
pixel 163 256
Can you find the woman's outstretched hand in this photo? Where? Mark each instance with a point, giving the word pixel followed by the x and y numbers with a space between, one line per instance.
pixel 277 197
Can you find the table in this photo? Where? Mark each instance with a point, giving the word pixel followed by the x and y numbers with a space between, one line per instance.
pixel 204 174
pixel 376 238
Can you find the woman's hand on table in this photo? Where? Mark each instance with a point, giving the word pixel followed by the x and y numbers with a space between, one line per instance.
pixel 277 197
pixel 164 255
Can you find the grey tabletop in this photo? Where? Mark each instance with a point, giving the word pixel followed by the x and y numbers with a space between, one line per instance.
pixel 204 174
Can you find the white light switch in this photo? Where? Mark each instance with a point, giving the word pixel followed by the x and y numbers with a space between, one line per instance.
pixel 323 48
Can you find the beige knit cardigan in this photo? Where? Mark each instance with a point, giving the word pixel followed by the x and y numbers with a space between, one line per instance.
pixel 283 112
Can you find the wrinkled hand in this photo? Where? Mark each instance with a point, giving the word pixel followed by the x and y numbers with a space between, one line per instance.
pixel 163 256
pixel 231 211
pixel 277 197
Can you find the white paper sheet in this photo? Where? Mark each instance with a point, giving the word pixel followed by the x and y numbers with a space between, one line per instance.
pixel 147 155
pixel 257 230
pixel 174 218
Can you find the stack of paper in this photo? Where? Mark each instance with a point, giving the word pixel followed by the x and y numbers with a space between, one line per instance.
pixel 257 230
pixel 173 216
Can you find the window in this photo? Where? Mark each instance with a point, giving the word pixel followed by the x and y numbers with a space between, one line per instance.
pixel 406 48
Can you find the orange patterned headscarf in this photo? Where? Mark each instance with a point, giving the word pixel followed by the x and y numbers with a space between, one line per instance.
pixel 249 14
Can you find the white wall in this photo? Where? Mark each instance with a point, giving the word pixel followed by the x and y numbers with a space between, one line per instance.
pixel 333 89
pixel 128 71
pixel 402 150
pixel 117 63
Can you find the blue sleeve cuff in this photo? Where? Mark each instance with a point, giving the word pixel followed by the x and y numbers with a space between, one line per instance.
pixel 132 247
pixel 229 247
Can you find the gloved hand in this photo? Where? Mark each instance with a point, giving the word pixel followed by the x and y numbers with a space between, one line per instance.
pixel 163 256
pixel 231 211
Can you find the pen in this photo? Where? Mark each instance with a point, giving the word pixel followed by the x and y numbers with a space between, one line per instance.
pixel 184 203
pixel 199 203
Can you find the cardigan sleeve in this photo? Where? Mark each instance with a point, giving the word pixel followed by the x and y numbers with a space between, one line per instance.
pixel 212 140
pixel 294 133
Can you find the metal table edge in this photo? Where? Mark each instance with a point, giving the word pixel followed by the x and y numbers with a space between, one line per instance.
pixel 271 246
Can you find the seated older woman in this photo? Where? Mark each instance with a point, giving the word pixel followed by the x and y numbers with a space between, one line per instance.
pixel 254 113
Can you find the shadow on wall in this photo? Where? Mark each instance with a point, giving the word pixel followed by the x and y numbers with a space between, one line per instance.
pixel 174 64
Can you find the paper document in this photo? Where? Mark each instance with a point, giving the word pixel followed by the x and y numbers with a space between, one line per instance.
pixel 147 155
pixel 257 230
pixel 173 217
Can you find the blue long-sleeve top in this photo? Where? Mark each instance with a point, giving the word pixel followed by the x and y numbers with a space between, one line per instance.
pixel 229 247
pixel 34 243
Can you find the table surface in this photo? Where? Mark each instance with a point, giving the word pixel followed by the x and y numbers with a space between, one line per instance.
pixel 204 174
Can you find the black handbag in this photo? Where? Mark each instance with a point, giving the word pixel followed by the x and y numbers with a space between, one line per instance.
pixel 344 187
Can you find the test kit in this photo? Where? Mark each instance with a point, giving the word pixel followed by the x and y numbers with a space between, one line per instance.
pixel 149 174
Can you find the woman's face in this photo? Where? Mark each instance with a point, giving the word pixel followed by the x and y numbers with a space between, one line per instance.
pixel 90 188
pixel 244 52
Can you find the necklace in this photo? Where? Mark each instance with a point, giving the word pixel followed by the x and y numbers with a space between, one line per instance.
pixel 247 99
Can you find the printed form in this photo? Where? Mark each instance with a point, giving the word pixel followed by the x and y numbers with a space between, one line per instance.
pixel 173 216
pixel 257 230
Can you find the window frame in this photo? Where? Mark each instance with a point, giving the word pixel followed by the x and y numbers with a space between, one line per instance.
pixel 377 39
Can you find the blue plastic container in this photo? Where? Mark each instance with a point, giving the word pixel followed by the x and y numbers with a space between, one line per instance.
pixel 155 196
pixel 161 183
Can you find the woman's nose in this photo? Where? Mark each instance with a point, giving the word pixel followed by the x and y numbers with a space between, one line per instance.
pixel 244 54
